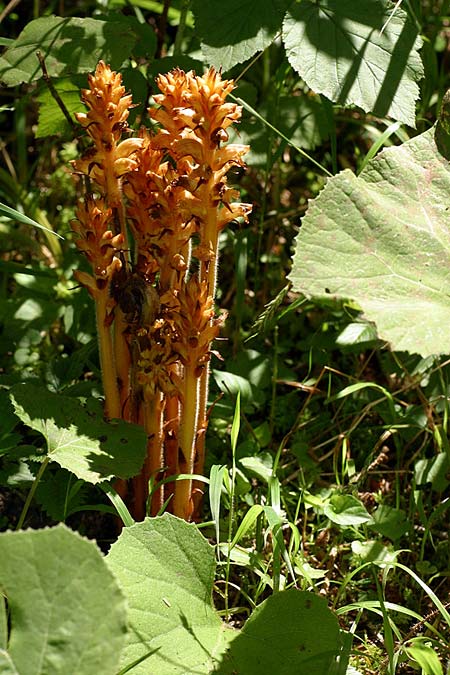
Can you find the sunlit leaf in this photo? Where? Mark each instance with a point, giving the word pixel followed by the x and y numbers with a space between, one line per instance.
pixel 346 510
pixel 233 32
pixel 51 117
pixel 68 45
pixel 93 449
pixel 166 569
pixel 22 218
pixel 425 655
pixel 339 49
pixel 382 239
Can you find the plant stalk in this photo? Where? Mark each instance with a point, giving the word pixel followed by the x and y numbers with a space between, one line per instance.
pixel 107 361
pixel 186 442
pixel 30 495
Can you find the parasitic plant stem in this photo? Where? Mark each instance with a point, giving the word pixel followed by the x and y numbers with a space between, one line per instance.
pixel 107 361
pixel 154 297
pixel 186 442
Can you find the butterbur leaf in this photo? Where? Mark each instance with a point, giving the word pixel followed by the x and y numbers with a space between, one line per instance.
pixel 291 632
pixel 382 240
pixel 166 568
pixel 357 53
pixel 77 439
pixel 67 612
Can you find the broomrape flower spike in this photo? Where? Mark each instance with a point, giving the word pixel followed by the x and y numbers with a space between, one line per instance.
pixel 100 246
pixel 155 313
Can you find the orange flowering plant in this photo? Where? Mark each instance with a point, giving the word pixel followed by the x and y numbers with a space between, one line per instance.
pixel 149 226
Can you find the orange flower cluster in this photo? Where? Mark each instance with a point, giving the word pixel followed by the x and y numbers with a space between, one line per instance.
pixel 98 243
pixel 194 116
pixel 196 325
pixel 169 189
pixel 105 122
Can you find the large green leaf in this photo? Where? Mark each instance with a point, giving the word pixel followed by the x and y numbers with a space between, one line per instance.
pixel 67 613
pixel 233 31
pixel 166 569
pixel 382 239
pixel 361 53
pixel 69 46
pixel 291 632
pixel 51 118
pixel 77 439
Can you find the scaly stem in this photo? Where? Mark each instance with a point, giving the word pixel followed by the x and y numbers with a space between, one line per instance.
pixel 208 272
pixel 107 362
pixel 182 505
pixel 153 421
pixel 122 360
pixel 172 423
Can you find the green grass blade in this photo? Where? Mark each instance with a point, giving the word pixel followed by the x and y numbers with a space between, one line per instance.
pixel 392 129
pixel 236 423
pixel 246 523
pixel 118 504
pixel 215 493
pixel 251 110
pixel 22 218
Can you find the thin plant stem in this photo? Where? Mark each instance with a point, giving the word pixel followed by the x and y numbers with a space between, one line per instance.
pixel 273 400
pixel 30 495
pixel 181 26
pixel 153 422
pixel 234 436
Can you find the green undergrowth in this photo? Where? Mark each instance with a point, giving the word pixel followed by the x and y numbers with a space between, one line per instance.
pixel 323 542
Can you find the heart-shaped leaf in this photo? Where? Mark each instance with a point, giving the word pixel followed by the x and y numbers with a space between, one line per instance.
pixel 346 510
pixel 166 569
pixel 69 46
pixel 233 32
